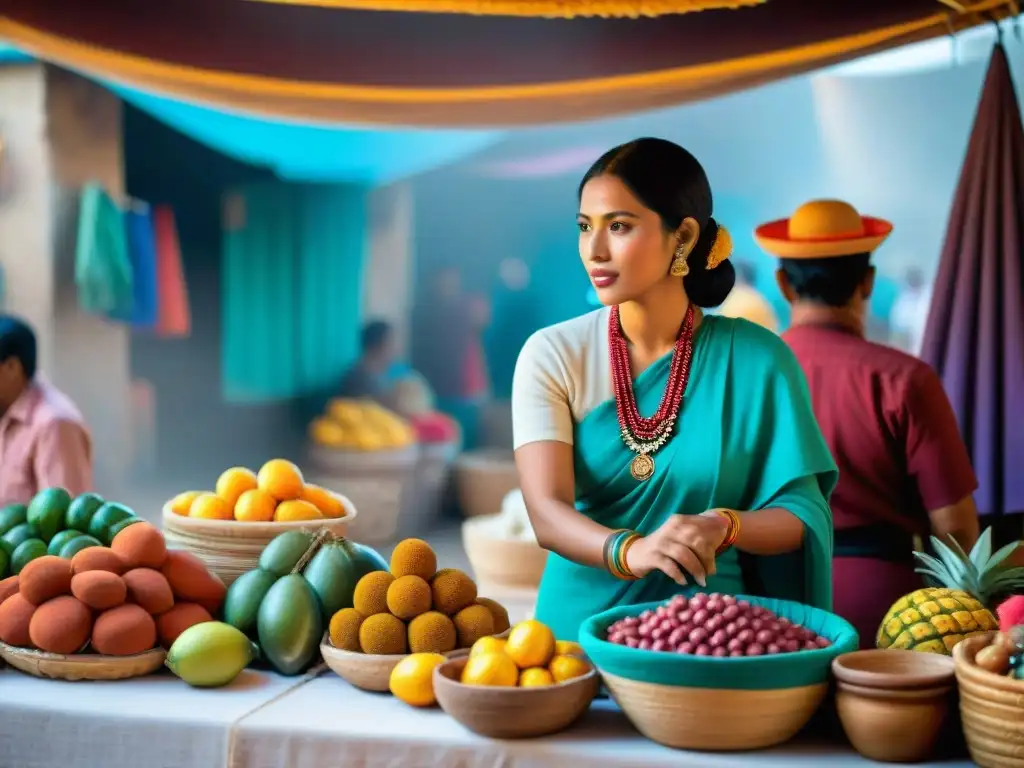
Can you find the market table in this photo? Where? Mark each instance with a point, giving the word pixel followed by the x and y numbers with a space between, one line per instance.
pixel 267 721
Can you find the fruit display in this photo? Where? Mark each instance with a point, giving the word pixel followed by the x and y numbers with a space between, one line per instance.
pixel 529 658
pixel 55 524
pixel 361 425
pixel 276 493
pixel 935 619
pixel 714 625
pixel 302 580
pixel 414 401
pixel 210 654
pixel 414 607
pixel 120 600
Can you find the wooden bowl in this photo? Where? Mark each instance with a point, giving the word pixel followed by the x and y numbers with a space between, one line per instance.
pixel 991 708
pixel 893 669
pixel 502 562
pixel 231 547
pixel 369 671
pixel 512 713
pixel 82 666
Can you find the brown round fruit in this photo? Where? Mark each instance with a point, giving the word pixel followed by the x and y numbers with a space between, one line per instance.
pixel 44 578
pixel 61 625
pixel 100 590
pixel 8 587
pixel 192 581
pixel 98 559
pixel 149 589
pixel 993 658
pixel 182 616
pixel 408 597
pixel 140 546
pixel 15 616
pixel 124 631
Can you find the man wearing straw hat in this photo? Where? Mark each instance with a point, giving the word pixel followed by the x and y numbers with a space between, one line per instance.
pixel 903 468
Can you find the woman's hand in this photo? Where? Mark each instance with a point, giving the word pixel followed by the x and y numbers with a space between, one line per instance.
pixel 683 542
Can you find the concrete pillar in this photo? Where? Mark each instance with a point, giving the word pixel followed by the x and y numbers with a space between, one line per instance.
pixel 387 281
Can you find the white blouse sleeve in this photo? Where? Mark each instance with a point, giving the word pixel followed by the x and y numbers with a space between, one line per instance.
pixel 540 395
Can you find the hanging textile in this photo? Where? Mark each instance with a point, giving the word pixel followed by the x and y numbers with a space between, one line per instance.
pixel 548 9
pixel 292 289
pixel 174 317
pixel 103 273
pixel 142 255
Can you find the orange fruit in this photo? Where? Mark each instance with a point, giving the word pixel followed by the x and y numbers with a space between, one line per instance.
pixel 495 669
pixel 530 644
pixel 489 644
pixel 535 677
pixel 210 506
pixel 281 479
pixel 412 679
pixel 182 503
pixel 564 668
pixel 569 648
pixel 328 504
pixel 255 506
pixel 296 510
pixel 233 482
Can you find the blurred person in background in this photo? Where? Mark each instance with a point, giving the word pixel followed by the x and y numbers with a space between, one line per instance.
pixel 369 377
pixel 746 302
pixel 515 318
pixel 43 438
pixel 447 349
pixel 909 314
pixel 904 471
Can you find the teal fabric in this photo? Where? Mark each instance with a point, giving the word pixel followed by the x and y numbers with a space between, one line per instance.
pixel 103 271
pixel 747 673
pixel 746 439
pixel 292 291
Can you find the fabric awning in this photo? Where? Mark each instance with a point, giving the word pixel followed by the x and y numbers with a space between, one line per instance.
pixel 549 9
pixel 366 67
pixel 975 332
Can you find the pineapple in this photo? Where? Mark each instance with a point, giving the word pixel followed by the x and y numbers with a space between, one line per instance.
pixel 934 619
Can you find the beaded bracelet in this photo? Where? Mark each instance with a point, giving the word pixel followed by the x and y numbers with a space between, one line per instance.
pixel 733 531
pixel 616 546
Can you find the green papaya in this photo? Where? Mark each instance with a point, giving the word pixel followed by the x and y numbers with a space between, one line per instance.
pixel 290 625
pixel 242 603
pixel 11 516
pixel 81 510
pixel 106 516
pixel 47 510
pixel 283 553
pixel 334 571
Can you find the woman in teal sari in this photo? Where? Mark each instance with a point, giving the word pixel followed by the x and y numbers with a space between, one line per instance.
pixel 660 449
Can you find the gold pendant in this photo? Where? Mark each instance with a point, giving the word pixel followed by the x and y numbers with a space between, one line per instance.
pixel 642 466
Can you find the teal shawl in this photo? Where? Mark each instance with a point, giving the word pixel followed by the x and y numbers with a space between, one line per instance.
pixel 746 439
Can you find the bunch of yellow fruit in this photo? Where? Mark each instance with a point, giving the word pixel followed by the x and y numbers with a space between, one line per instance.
pixel 529 658
pixel 277 493
pixel 360 425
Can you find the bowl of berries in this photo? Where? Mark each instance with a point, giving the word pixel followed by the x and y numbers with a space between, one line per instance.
pixel 717 672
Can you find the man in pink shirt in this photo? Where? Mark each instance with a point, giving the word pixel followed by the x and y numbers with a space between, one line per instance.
pixel 43 439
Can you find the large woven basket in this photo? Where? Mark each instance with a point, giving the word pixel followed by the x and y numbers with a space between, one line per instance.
pixel 991 708
pixel 423 506
pixel 377 482
pixel 483 478
pixel 230 548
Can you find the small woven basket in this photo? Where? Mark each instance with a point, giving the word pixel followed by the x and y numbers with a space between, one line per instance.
pixel 82 666
pixel 991 708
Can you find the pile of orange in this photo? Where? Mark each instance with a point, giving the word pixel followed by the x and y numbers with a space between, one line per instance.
pixel 277 493
pixel 529 658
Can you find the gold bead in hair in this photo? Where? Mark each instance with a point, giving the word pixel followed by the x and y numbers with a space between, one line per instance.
pixel 721 249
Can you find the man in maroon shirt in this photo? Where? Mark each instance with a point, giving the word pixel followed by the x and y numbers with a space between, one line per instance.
pixel 903 468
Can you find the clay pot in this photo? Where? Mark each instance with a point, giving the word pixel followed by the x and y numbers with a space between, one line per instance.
pixel 893 704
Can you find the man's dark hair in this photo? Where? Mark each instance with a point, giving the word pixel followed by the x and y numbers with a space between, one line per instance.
pixel 375 335
pixel 830 281
pixel 18 340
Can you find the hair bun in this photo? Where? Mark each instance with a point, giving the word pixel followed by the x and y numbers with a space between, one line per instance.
pixel 708 286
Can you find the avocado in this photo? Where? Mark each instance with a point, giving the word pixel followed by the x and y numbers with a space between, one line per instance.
pixel 290 625
pixel 12 515
pixel 81 510
pixel 242 603
pixel 18 534
pixel 77 544
pixel 47 511
pixel 106 516
pixel 26 552
pixel 282 554
pixel 63 537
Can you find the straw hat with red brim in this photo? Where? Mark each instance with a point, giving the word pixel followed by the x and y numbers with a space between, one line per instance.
pixel 821 229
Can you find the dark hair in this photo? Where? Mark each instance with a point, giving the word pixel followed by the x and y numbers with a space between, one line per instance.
pixel 375 335
pixel 18 340
pixel 671 182
pixel 831 281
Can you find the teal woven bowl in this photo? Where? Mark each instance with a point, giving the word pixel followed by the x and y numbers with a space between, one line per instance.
pixel 719 704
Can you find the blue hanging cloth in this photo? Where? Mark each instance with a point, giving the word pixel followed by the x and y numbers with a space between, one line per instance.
pixel 141 239
pixel 103 272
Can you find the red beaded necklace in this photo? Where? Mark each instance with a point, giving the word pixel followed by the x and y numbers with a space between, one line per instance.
pixel 642 435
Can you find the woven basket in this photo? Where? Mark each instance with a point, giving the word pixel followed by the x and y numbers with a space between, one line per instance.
pixel 424 505
pixel 83 666
pixel 230 548
pixel 991 708
pixel 483 478
pixel 378 482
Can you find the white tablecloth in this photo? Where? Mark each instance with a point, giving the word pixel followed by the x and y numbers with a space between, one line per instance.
pixel 159 722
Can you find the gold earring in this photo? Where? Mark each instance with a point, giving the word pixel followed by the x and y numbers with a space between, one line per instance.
pixel 680 267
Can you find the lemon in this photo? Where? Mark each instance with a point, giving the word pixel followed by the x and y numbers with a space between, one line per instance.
pixel 565 667
pixel 535 677
pixel 412 679
pixel 494 669
pixel 488 645
pixel 569 648
pixel 530 644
